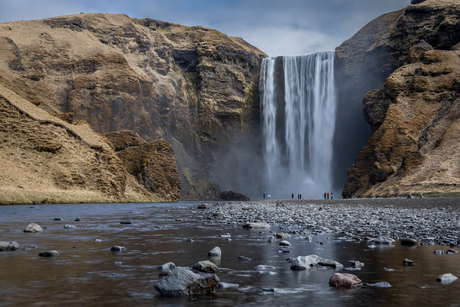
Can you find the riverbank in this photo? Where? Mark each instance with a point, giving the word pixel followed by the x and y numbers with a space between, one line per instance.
pixel 427 220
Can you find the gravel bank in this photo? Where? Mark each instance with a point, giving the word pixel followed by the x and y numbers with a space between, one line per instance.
pixel 427 220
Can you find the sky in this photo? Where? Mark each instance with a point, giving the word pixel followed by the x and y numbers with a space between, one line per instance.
pixel 277 27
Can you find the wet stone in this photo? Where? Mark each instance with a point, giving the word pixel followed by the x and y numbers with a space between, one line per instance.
pixel 408 262
pixel 215 252
pixel 127 221
pixel 117 248
pixel 51 253
pixel 8 246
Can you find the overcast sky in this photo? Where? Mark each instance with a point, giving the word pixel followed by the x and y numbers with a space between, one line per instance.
pixel 277 27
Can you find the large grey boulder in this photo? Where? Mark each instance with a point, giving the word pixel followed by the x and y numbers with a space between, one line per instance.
pixel 8 246
pixel 181 282
pixel 32 227
pixel 206 266
pixel 306 262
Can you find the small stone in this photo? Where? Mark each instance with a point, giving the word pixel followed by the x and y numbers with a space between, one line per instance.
pixel 264 267
pixel 203 206
pixel 409 242
pixel 408 262
pixel 77 220
pixel 117 248
pixel 344 280
pixel 32 227
pixel 167 266
pixel 382 284
pixel 446 278
pixel 67 226
pixel 282 236
pixel 97 240
pixel 181 282
pixel 215 252
pixel 257 226
pixel 285 243
pixel 242 258
pixel 451 251
pixel 438 252
pixel 225 236
pixel 58 218
pixel 51 253
pixel 226 285
pixel 127 221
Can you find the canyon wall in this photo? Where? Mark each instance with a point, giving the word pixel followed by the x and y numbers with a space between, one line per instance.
pixel 191 86
pixel 408 63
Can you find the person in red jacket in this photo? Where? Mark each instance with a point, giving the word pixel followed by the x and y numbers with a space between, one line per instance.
pixel 328 195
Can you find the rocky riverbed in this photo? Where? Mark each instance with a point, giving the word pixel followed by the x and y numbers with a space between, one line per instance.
pixel 427 220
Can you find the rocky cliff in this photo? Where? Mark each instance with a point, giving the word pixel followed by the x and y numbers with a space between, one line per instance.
pixel 45 159
pixel 410 60
pixel 192 86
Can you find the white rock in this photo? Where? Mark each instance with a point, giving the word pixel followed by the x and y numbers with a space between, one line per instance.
pixel 306 262
pixel 8 246
pixel 446 278
pixel 32 227
pixel 215 252
pixel 257 226
pixel 206 266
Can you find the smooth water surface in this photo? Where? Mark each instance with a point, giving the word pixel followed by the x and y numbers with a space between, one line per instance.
pixel 87 273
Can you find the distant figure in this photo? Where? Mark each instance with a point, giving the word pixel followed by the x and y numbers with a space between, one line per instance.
pixel 324 195
pixel 269 196
pixel 292 195
pixel 328 195
pixel 332 197
pixel 300 196
pixel 264 195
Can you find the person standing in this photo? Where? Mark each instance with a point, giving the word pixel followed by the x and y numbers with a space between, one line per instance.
pixel 324 195
pixel 328 195
pixel 292 195
pixel 332 196
pixel 264 195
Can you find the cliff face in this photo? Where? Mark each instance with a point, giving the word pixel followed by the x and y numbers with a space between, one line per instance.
pixel 48 160
pixel 412 55
pixel 192 86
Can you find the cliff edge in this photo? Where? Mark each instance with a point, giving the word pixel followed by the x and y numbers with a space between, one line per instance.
pixel 410 59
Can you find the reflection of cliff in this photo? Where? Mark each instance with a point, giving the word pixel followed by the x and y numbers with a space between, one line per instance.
pixel 192 86
pixel 412 56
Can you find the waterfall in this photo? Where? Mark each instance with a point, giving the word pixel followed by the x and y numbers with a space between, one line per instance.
pixel 298 117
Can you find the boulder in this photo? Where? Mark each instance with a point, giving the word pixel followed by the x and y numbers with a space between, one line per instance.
pixel 8 246
pixel 167 266
pixel 233 196
pixel 282 236
pixel 306 262
pixel 215 252
pixel 67 226
pixel 32 227
pixel 257 226
pixel 127 221
pixel 206 266
pixel 117 248
pixel 344 280
pixel 51 253
pixel 285 243
pixel 182 282
pixel 408 262
pixel 446 278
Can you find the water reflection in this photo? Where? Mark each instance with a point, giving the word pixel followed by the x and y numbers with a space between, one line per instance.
pixel 88 273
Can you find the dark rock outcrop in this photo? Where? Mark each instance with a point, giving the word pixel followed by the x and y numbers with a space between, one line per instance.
pixel 411 56
pixel 233 196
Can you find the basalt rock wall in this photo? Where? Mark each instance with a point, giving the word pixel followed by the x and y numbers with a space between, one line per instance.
pixel 408 63
pixel 191 86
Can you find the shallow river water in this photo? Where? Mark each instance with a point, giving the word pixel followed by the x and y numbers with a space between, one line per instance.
pixel 87 273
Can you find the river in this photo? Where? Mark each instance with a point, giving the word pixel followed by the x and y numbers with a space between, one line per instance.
pixel 87 273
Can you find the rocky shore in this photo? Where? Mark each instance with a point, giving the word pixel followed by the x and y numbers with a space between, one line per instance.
pixel 426 220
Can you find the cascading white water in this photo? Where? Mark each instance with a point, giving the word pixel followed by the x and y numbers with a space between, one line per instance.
pixel 298 132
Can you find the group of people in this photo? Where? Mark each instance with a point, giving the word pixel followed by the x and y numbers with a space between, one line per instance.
pixel 328 194
pixel 299 196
